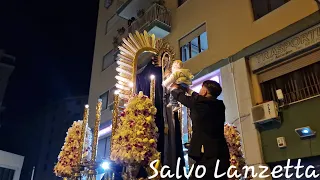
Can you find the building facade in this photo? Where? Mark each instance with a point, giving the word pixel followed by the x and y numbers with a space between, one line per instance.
pixel 6 68
pixel 10 165
pixel 252 47
pixel 58 117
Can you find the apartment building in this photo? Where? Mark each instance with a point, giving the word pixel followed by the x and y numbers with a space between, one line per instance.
pixel 252 47
pixel 6 68
pixel 58 117
pixel 10 165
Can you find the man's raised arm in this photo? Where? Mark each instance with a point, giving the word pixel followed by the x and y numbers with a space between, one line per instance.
pixel 180 95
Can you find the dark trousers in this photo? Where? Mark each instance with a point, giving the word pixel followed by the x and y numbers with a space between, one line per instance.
pixel 210 165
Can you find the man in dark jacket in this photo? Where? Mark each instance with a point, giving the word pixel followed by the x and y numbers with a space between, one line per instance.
pixel 208 144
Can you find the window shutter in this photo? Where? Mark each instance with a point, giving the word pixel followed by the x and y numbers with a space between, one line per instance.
pixel 290 65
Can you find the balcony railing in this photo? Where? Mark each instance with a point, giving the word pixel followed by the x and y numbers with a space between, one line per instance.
pixel 155 13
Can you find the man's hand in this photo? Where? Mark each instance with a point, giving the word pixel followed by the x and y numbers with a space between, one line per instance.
pixel 174 86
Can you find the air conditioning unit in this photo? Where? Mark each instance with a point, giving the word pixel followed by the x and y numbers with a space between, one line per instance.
pixel 265 112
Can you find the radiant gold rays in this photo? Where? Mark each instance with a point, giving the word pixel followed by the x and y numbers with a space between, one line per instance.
pixel 127 60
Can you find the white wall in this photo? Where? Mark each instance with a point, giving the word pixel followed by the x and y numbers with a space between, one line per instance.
pixel 236 83
pixel 12 161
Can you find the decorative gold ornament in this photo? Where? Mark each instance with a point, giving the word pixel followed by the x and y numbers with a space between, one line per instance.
pixel 130 50
pixel 83 131
pixel 92 165
pixel 115 116
pixel 96 131
pixel 152 88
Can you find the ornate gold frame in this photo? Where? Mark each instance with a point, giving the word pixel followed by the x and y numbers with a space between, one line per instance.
pixel 130 50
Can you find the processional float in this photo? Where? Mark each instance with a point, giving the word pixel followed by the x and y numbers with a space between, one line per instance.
pixel 130 50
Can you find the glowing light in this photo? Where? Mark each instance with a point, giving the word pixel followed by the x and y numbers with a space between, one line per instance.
pixel 152 76
pixel 123 96
pixel 86 106
pixel 131 84
pixel 116 92
pixel 123 71
pixel 305 131
pixel 124 64
pixel 105 131
pixel 122 79
pixel 198 87
pixel 105 165
pixel 216 78
pixel 119 86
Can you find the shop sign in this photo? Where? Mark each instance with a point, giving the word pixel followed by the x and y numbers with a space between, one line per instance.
pixel 286 48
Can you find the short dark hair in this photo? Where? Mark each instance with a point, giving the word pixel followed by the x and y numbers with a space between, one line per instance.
pixel 213 87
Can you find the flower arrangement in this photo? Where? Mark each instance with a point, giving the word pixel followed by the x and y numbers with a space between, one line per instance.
pixel 70 151
pixel 135 140
pixel 233 138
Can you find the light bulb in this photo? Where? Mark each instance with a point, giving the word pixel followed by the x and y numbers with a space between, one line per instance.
pixel 105 165
pixel 152 76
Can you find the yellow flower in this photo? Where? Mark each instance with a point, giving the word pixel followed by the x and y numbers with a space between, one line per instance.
pixel 140 107
pixel 148 119
pixel 139 146
pixel 71 146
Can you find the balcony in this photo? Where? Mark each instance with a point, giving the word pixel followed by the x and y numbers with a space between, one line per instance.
pixel 128 8
pixel 156 20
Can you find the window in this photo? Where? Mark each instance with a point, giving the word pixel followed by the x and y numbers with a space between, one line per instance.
pixel 6 174
pixel 110 24
pixel 108 146
pixel 194 43
pixel 180 2
pixel 297 85
pixel 104 98
pixel 107 99
pixel 263 7
pixel 102 149
pixel 111 98
pixel 108 60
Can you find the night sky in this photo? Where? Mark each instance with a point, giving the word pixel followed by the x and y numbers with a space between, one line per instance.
pixel 53 42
